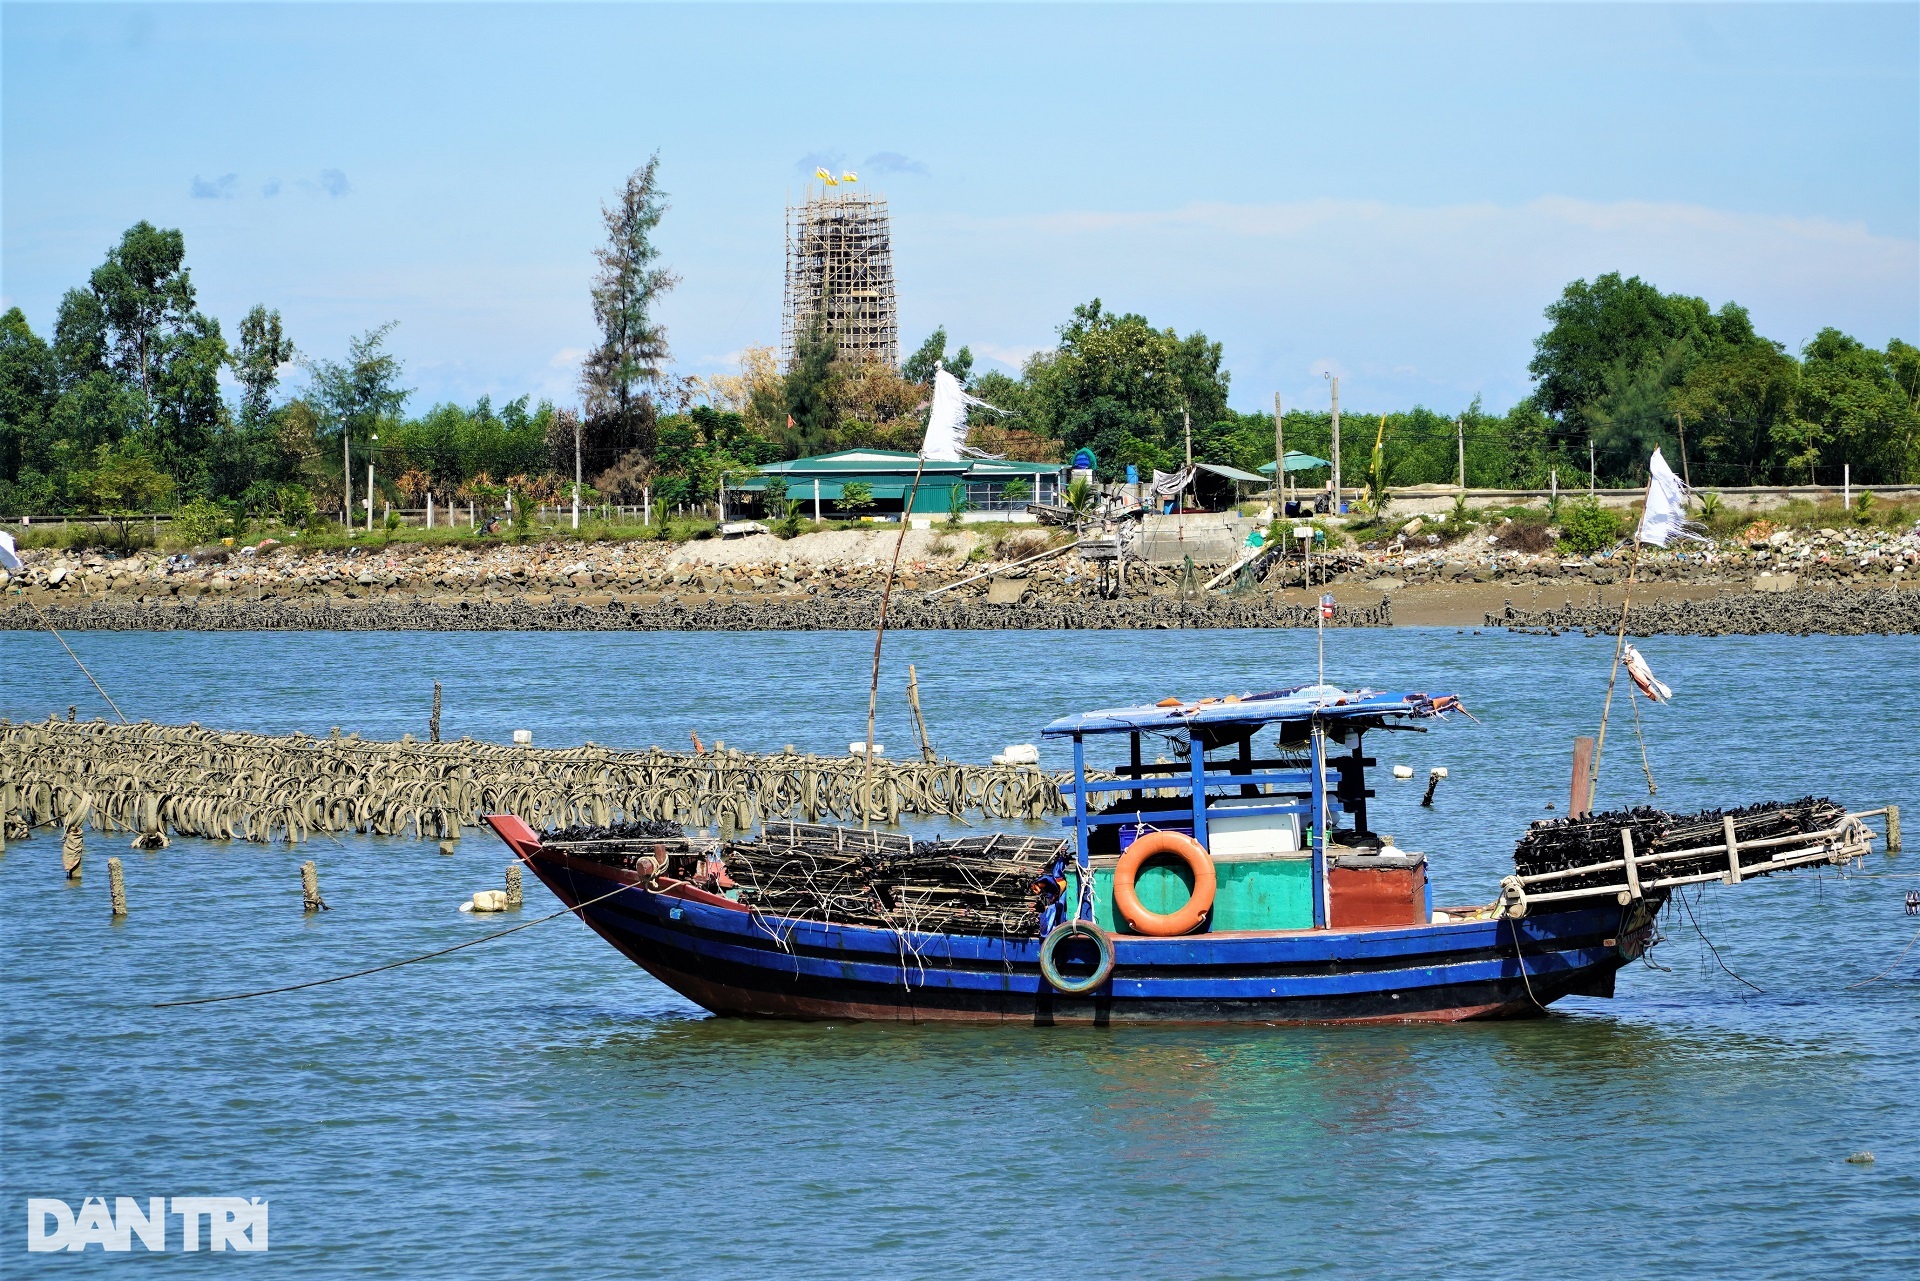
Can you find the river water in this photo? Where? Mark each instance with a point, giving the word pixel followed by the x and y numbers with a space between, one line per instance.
pixel 539 1106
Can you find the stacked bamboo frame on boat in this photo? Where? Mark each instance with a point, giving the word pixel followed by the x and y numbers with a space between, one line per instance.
pixel 1653 851
pixel 976 885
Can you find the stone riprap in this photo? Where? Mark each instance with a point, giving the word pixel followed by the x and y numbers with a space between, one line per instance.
pixel 857 611
pixel 1836 611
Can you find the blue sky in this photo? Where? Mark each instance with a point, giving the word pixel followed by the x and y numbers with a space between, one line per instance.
pixel 1388 192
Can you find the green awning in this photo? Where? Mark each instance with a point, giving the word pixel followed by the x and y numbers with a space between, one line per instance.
pixel 1231 473
pixel 1296 462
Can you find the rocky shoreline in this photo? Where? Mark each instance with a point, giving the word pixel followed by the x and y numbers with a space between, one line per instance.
pixel 1832 612
pixel 856 611
pixel 1798 581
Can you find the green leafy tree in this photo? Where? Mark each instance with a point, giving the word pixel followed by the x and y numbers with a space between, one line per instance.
pixel 360 395
pixel 80 338
pixel 919 366
pixel 263 350
pixel 1854 408
pixel 186 411
pixel 628 363
pixel 1613 322
pixel 856 495
pixel 123 484
pixel 811 413
pixel 1612 353
pixel 1119 386
pixel 145 293
pixel 1736 406
pixel 29 382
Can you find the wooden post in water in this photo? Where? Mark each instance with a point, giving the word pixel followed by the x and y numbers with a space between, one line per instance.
pixel 919 721
pixel 310 889
pixel 116 887
pixel 514 894
pixel 1893 829
pixel 1582 796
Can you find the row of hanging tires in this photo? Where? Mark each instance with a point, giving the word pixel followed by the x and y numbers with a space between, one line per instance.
pixel 193 781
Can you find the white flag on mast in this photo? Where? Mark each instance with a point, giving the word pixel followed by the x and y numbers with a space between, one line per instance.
pixel 1666 515
pixel 947 425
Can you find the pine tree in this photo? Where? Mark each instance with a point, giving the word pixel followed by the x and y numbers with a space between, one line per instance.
pixel 617 378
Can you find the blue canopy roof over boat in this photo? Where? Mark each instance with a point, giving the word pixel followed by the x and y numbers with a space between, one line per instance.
pixel 1328 702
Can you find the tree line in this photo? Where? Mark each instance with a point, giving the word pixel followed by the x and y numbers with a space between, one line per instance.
pixel 122 408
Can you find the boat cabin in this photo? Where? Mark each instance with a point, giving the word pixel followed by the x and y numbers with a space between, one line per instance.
pixel 1250 812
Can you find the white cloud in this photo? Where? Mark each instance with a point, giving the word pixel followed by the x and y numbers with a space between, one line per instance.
pixel 1014 356
pixel 1408 302
pixel 567 358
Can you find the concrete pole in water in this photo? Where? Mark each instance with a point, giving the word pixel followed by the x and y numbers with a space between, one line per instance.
pixel 1279 460
pixel 1336 443
pixel 116 887
pixel 72 851
pixel 515 897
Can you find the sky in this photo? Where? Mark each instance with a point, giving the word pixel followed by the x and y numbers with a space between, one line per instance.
pixel 1387 193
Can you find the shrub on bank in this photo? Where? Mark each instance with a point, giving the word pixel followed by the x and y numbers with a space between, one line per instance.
pixel 1587 527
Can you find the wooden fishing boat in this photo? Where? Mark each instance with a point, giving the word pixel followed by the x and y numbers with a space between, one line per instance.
pixel 1238 881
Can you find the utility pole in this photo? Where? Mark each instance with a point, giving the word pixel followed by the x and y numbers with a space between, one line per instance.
pixel 1279 460
pixel 346 476
pixel 1186 421
pixel 1590 476
pixel 1336 443
pixel 1685 478
pixel 576 472
pixel 1460 443
pixel 370 486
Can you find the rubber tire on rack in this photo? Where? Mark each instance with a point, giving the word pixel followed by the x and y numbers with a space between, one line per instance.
pixel 1101 972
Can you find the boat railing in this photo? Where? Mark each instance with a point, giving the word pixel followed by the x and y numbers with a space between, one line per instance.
pixel 1844 842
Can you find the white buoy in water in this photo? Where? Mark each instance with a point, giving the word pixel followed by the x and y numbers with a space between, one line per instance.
pixel 860 749
pixel 1403 771
pixel 522 737
pixel 486 901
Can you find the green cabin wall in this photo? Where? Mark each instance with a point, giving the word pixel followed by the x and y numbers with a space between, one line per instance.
pixel 1255 894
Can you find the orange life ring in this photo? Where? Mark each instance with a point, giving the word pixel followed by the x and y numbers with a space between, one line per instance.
pixel 1126 901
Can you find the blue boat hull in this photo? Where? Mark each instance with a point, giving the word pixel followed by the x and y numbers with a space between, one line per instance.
pixel 734 961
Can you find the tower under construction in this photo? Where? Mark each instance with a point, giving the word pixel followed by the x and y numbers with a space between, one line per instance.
pixel 840 271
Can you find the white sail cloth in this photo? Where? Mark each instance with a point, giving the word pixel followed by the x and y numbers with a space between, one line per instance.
pixel 8 558
pixel 1666 516
pixel 947 425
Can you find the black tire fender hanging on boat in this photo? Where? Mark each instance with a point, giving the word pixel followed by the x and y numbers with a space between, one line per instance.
pixel 1050 947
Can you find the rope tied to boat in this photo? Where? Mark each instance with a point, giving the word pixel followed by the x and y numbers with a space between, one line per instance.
pixel 394 965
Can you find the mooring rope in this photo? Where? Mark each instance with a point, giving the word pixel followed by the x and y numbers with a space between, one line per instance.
pixel 1709 942
pixel 394 965
pixel 1890 969
pixel 76 660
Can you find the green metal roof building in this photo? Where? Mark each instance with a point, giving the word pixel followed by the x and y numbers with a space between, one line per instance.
pixel 889 474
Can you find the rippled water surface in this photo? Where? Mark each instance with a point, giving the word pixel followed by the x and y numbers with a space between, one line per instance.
pixel 538 1106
